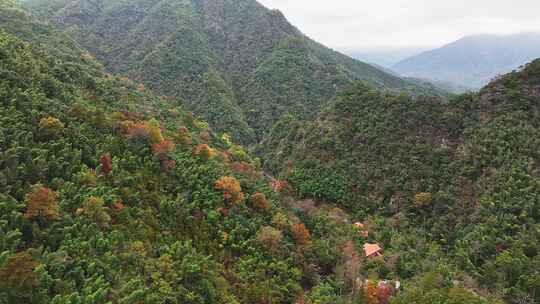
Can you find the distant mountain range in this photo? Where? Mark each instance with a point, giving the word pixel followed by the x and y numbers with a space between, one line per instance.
pixel 471 62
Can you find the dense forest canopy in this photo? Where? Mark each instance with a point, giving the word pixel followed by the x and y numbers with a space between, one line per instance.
pixel 113 191
pixel 463 173
pixel 112 195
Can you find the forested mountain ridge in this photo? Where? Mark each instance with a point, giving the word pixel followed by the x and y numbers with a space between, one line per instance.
pixel 462 175
pixel 237 64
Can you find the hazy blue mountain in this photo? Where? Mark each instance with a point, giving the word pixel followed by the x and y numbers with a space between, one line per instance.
pixel 473 61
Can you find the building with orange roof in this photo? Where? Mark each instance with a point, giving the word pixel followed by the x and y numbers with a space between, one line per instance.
pixel 372 250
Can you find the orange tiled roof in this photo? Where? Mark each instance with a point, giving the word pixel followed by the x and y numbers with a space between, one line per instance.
pixel 371 249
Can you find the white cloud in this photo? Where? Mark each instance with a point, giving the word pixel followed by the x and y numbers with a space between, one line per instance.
pixel 401 23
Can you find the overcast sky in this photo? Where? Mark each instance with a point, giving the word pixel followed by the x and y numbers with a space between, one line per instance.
pixel 346 24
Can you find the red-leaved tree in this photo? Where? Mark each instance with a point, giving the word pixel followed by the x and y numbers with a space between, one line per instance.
pixel 106 163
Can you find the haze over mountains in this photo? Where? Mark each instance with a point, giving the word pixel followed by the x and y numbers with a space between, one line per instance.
pixel 472 61
pixel 385 57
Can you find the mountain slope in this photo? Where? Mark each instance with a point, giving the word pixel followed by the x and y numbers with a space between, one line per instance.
pixel 462 175
pixel 21 23
pixel 472 61
pixel 109 194
pixel 178 47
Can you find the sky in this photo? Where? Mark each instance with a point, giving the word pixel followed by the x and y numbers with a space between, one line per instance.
pixel 372 24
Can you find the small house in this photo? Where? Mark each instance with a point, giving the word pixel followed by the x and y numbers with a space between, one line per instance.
pixel 372 250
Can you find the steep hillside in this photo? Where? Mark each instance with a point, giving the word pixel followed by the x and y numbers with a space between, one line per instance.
pixel 21 23
pixel 461 175
pixel 473 61
pixel 236 63
pixel 109 194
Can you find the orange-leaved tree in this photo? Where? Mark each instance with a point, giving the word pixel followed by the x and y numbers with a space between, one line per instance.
pixel 162 149
pixel 141 88
pixel 138 130
pixel 232 191
pixel 145 130
pixel 371 293
pixel 258 201
pixel 203 151
pixel 42 202
pixel 300 234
